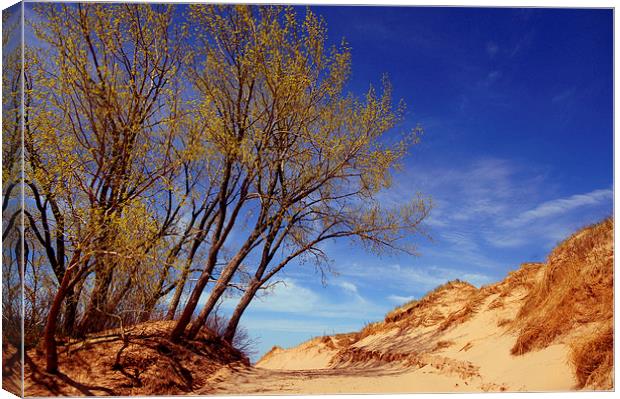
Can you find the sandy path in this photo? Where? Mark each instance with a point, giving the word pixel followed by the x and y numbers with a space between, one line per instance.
pixel 257 381
pixel 477 359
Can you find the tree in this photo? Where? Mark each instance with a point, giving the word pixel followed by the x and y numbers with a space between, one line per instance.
pixel 311 156
pixel 223 147
pixel 102 134
pixel 12 238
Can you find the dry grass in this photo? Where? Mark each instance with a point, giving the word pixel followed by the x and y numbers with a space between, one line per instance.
pixel 424 312
pixel 576 289
pixel 442 344
pixel 571 293
pixel 466 347
pixel 524 276
pixel 459 317
pixel 497 303
pixel 360 357
pixel 328 342
pixel 397 313
pixel 370 329
pixel 523 279
pixel 503 322
pixel 432 297
pixel 593 359
pixel 465 313
pixel 145 363
pixel 345 339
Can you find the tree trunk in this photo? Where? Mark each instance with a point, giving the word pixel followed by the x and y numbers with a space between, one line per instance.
pixel 218 291
pixel 151 302
pixel 243 304
pixel 254 285
pixel 178 292
pixel 219 236
pixel 49 333
pixel 68 319
pixel 188 310
pixel 71 304
pixel 94 319
pixel 197 324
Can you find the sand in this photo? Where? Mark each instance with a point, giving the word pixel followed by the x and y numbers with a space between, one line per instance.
pixel 470 356
pixel 458 338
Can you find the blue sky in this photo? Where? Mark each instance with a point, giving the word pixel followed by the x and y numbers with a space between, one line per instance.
pixel 517 153
pixel 516 105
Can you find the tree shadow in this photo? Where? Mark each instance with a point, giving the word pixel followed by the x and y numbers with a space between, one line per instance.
pixel 50 381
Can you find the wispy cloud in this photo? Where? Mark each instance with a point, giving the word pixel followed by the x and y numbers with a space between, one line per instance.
pixel 498 203
pixel 492 48
pixel 347 286
pixel 411 279
pixel 483 209
pixel 293 298
pixel 398 299
pixel 351 289
pixel 287 297
pixel 563 95
pixel 561 206
pixel 311 327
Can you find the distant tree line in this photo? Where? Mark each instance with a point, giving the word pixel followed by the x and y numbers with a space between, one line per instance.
pixel 173 153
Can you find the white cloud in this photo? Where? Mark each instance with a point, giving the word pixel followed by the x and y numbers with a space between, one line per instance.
pixel 433 276
pixel 412 279
pixel 561 206
pixel 287 297
pixel 494 202
pixel 296 326
pixel 479 207
pixel 398 299
pixel 292 298
pixel 347 286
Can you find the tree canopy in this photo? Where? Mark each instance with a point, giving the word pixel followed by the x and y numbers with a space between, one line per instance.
pixel 209 142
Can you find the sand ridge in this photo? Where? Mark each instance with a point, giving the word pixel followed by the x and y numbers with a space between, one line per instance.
pixel 545 327
pixel 459 338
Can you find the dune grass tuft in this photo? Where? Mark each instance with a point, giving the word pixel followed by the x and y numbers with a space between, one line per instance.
pixel 593 359
pixel 577 289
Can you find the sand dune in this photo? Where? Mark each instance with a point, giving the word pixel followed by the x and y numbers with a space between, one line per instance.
pixel 545 327
pixel 462 339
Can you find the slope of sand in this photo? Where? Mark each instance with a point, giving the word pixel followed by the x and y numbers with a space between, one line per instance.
pixel 144 363
pixel 545 327
pixel 462 339
pixel 400 356
pixel 471 356
pixel 313 354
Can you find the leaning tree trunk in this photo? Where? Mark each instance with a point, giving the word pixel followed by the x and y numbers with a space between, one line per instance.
pixel 256 282
pixel 218 290
pixel 243 304
pixel 220 235
pixel 68 319
pixel 49 333
pixel 178 292
pixel 192 302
